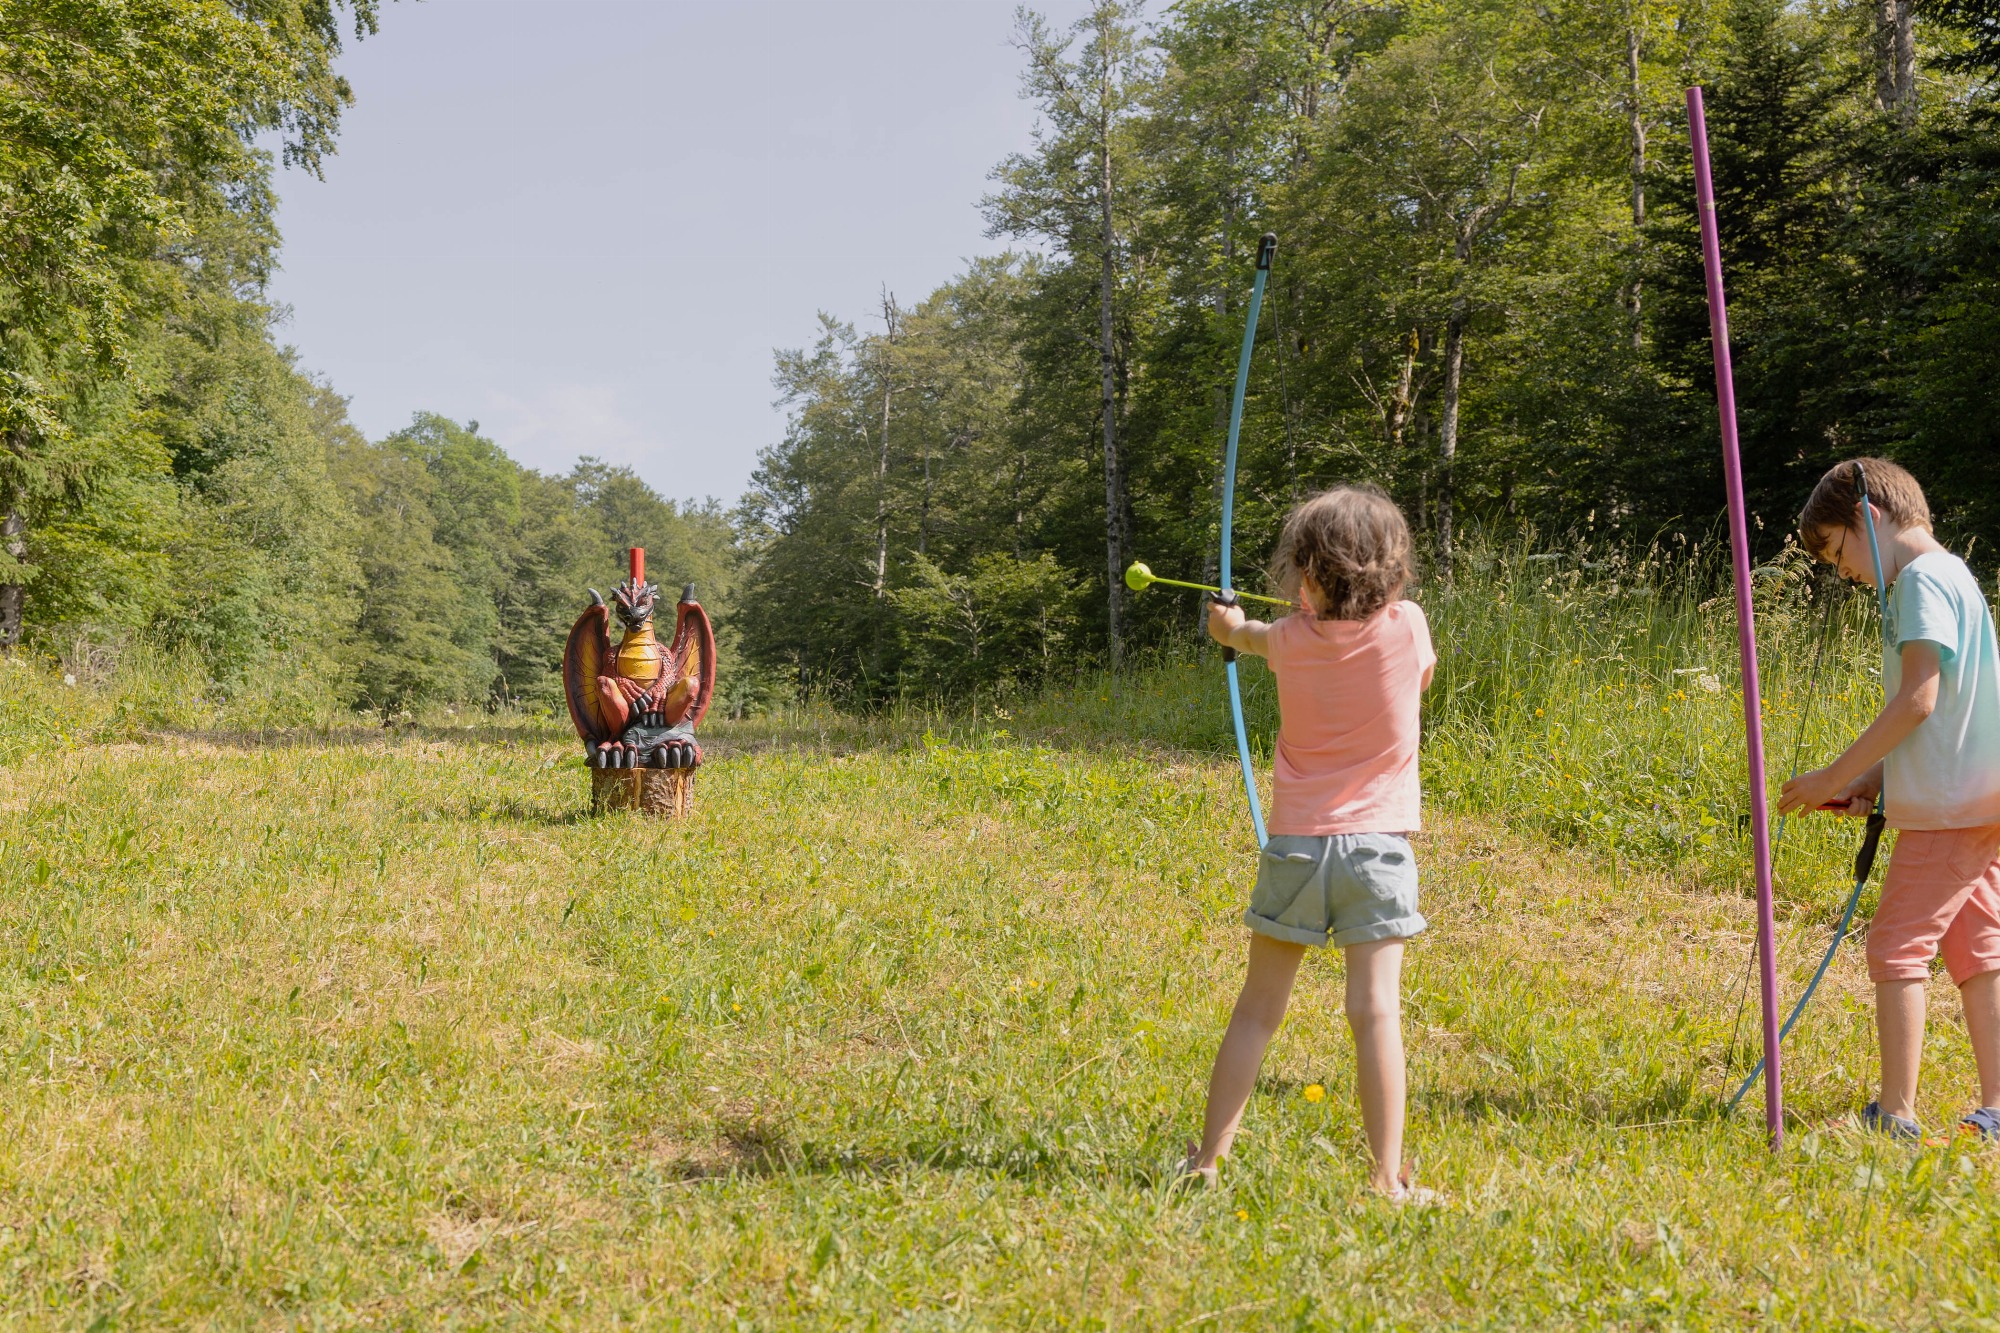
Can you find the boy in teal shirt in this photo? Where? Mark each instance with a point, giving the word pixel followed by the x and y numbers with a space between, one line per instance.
pixel 1934 754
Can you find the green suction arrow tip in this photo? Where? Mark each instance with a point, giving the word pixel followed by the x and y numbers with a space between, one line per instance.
pixel 1138 578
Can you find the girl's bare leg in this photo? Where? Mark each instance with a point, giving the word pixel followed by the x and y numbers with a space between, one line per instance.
pixel 1375 1013
pixel 1267 989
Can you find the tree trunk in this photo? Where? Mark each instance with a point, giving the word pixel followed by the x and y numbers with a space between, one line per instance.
pixel 1403 403
pixel 924 514
pixel 1635 110
pixel 1454 365
pixel 882 455
pixel 1020 514
pixel 1896 59
pixel 650 791
pixel 1114 501
pixel 1211 566
pixel 13 596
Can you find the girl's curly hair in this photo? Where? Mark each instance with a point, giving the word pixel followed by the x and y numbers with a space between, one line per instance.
pixel 1355 544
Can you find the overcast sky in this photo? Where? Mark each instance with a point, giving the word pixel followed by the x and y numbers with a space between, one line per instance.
pixel 585 224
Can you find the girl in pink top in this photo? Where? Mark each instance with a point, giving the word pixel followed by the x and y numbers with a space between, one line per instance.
pixel 1351 667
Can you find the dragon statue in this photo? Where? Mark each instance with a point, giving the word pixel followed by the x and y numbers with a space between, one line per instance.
pixel 636 706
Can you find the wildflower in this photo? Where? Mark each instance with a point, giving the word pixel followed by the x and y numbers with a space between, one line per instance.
pixel 1314 1092
pixel 1243 1214
pixel 1538 712
pixel 1708 683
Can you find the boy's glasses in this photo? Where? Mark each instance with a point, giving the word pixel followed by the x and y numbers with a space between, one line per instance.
pixel 1840 551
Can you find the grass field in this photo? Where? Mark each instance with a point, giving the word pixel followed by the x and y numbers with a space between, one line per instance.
pixel 328 1026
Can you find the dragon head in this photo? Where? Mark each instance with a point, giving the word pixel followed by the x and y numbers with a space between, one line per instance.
pixel 634 600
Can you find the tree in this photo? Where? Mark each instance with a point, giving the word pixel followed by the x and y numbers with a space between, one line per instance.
pixel 1429 169
pixel 1070 191
pixel 125 126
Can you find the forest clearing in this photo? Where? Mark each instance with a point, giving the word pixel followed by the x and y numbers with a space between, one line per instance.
pixel 908 1022
pixel 397 939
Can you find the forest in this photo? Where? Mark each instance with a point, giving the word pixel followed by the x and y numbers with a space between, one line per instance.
pixel 173 482
pixel 1487 298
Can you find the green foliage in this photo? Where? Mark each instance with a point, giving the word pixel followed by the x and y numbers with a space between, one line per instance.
pixel 1004 622
pixel 475 567
pixel 129 178
pixel 1506 178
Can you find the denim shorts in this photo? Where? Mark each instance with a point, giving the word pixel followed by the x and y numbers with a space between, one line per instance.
pixel 1340 889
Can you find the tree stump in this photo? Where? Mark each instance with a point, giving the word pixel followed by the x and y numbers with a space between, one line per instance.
pixel 666 792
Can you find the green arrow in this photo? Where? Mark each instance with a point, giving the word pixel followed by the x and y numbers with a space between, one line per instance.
pixel 1139 578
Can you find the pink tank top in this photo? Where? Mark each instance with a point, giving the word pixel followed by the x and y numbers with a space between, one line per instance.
pixel 1348 692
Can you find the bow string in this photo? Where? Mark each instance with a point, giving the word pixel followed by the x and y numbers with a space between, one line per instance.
pixel 1871 839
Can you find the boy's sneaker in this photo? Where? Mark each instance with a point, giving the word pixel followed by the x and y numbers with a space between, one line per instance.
pixel 1984 1122
pixel 1877 1121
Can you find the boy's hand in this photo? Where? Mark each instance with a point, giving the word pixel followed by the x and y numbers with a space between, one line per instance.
pixel 1857 799
pixel 1223 621
pixel 1818 787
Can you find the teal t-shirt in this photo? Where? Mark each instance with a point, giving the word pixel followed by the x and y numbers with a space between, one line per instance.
pixel 1946 773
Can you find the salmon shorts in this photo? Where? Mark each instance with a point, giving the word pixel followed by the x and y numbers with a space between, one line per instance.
pixel 1941 895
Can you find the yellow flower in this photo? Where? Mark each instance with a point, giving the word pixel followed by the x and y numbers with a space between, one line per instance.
pixel 1538 712
pixel 1314 1092
pixel 1243 1214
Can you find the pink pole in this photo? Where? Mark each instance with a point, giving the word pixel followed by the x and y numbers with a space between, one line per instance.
pixel 1746 623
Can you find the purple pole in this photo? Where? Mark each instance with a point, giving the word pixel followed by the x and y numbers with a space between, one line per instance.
pixel 1746 623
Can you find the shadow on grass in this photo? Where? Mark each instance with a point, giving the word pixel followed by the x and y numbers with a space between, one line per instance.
pixel 351 737
pixel 760 1149
pixel 516 811
pixel 557 812
pixel 1670 1102
pixel 744 1147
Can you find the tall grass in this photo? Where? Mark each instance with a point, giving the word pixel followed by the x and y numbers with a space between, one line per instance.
pixel 1590 698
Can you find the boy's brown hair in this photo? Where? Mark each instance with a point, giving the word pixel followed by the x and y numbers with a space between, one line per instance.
pixel 1836 502
pixel 1355 544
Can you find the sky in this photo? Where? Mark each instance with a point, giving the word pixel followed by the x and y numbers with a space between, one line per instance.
pixel 586 224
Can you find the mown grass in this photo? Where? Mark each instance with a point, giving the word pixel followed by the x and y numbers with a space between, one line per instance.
pixel 345 1027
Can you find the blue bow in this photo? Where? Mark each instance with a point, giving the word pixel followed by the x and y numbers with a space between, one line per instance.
pixel 1266 248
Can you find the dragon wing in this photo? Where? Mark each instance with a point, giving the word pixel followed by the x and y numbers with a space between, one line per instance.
pixel 585 659
pixel 693 659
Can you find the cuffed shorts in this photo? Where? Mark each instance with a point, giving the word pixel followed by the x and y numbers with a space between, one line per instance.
pixel 1941 895
pixel 1340 889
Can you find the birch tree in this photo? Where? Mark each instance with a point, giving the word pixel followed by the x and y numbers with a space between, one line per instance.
pixel 1088 83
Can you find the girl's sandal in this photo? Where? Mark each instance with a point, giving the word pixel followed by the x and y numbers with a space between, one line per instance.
pixel 1209 1177
pixel 1409 1195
